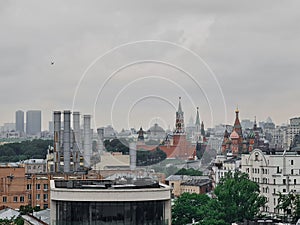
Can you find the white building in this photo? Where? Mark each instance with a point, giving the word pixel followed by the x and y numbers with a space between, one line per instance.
pixel 274 173
pixel 222 165
pixel 109 202
pixel 292 129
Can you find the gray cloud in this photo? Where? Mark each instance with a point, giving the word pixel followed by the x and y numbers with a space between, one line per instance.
pixel 251 46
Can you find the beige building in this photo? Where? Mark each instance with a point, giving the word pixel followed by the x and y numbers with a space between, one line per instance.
pixel 185 183
pixel 277 172
pixel 35 166
pixel 201 186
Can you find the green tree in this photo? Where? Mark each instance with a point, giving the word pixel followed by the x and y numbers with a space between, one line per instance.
pixel 200 208
pixel 190 172
pixel 26 209
pixel 13 152
pixel 117 145
pixel 146 157
pixel 290 204
pixel 239 198
pixel 188 207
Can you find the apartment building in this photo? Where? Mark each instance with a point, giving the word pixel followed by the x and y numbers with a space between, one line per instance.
pixel 274 172
pixel 18 188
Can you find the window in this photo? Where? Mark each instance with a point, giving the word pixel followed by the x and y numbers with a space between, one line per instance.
pixel 21 198
pixel 45 187
pixel 278 171
pixel 274 181
pixel 292 171
pixel 4 199
pixel 295 181
pixel 38 187
pixel 15 199
pixel 28 186
pixel 274 191
pixel 38 196
pixel 45 196
pixel 284 181
pixel 45 206
pixel 292 162
pixel 284 190
pixel 29 196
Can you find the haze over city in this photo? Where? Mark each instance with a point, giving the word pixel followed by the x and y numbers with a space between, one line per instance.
pixel 53 57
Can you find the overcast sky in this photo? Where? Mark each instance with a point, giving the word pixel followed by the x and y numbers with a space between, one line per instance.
pixel 214 54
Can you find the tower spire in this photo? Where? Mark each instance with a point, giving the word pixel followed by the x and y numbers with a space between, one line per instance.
pixel 179 119
pixel 255 124
pixel 237 125
pixel 197 118
pixel 179 106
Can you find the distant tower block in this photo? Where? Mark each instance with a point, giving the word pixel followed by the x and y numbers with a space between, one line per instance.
pixel 57 139
pixel 67 141
pixel 132 153
pixel 20 121
pixel 87 145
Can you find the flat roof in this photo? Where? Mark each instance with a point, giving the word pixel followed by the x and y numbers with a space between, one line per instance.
pixel 122 183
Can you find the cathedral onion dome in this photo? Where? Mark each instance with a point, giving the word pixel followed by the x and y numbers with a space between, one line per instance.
pixel 251 135
pixel 234 135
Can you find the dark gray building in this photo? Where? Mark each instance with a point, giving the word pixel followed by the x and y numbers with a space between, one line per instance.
pixel 20 121
pixel 33 122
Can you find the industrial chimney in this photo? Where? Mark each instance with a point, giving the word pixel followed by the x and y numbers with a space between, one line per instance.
pixel 87 144
pixel 132 153
pixel 67 140
pixel 57 139
pixel 77 143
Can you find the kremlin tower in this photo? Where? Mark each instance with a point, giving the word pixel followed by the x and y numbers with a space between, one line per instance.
pixel 180 148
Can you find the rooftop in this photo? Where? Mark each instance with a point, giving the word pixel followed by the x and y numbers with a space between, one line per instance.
pixel 122 183
pixel 199 183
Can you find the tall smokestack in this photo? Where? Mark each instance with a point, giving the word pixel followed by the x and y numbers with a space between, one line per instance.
pixel 100 132
pixel 132 153
pixel 57 138
pixel 67 140
pixel 87 144
pixel 77 144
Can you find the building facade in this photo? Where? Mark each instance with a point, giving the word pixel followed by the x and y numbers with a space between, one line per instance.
pixel 292 129
pixel 18 188
pixel 33 122
pixel 275 173
pixel 107 202
pixel 20 121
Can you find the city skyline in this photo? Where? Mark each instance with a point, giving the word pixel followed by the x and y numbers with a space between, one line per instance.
pixel 248 58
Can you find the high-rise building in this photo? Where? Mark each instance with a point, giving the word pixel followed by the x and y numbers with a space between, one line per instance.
pixel 20 121
pixel 33 122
